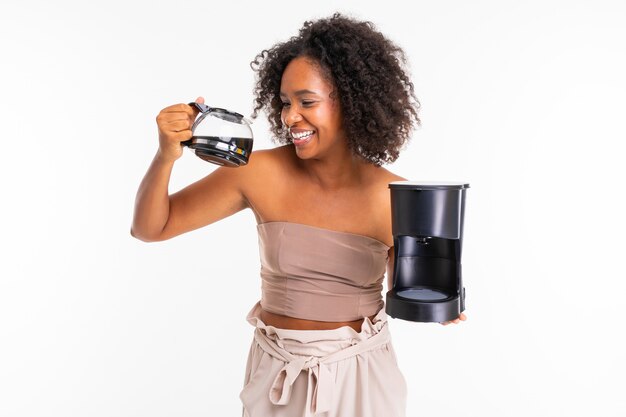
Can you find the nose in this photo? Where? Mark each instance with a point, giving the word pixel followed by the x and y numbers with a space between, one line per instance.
pixel 291 116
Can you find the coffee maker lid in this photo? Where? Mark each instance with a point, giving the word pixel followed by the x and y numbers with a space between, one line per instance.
pixel 429 185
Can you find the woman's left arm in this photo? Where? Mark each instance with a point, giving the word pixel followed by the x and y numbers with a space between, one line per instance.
pixel 390 266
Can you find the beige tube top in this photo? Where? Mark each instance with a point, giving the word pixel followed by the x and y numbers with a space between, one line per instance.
pixel 319 274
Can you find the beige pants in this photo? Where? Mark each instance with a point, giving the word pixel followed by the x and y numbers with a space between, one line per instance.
pixel 322 373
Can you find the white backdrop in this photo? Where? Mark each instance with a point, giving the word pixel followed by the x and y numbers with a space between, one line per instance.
pixel 523 100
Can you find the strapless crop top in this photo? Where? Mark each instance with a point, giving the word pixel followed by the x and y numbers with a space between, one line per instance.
pixel 320 274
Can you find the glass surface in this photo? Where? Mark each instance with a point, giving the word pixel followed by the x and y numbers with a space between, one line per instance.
pixel 208 124
pixel 425 294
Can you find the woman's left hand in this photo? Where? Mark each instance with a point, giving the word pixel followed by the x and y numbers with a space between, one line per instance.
pixel 462 317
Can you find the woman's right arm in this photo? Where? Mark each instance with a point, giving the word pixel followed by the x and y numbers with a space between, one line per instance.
pixel 159 216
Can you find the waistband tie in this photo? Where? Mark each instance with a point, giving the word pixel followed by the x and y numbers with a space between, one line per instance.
pixel 320 379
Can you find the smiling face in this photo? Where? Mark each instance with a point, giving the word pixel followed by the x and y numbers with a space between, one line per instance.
pixel 314 118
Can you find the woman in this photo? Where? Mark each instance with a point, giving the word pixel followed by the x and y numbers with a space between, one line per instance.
pixel 338 98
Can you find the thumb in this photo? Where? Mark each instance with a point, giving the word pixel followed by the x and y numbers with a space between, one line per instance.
pixel 194 110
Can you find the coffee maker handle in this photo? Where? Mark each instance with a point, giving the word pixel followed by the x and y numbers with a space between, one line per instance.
pixel 203 108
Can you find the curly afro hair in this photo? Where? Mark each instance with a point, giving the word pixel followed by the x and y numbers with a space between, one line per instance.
pixel 376 96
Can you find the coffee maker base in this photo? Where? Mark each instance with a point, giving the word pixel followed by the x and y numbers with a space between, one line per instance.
pixel 431 309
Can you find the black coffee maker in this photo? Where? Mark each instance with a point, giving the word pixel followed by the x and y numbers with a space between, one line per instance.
pixel 427 225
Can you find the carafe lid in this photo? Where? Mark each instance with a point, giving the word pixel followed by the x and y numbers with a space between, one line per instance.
pixel 215 122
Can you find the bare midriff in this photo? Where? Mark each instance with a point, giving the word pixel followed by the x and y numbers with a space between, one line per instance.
pixel 291 323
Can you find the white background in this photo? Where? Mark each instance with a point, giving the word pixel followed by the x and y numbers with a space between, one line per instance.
pixel 523 100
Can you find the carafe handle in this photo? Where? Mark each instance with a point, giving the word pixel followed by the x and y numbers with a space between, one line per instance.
pixel 203 108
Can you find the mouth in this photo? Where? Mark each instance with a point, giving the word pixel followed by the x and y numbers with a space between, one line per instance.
pixel 302 138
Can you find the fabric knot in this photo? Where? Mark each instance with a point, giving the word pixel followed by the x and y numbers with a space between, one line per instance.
pixel 320 381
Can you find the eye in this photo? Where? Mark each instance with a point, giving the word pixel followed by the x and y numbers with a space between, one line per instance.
pixel 285 104
pixel 307 103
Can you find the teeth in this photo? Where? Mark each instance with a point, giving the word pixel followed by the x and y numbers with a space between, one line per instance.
pixel 302 135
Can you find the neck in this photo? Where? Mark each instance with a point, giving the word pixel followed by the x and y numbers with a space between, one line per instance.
pixel 332 172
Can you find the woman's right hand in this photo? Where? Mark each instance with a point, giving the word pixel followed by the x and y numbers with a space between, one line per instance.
pixel 174 123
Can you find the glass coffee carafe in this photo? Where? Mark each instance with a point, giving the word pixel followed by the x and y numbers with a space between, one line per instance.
pixel 220 136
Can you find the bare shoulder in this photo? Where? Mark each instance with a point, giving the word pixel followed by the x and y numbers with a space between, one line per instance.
pixel 382 177
pixel 266 161
pixel 265 173
pixel 271 155
pixel 382 201
pixel 255 176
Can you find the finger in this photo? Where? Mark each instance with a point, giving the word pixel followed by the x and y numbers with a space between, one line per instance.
pixel 175 108
pixel 166 117
pixel 182 136
pixel 194 109
pixel 177 125
pixel 172 116
pixel 462 316
pixel 185 108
